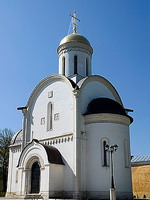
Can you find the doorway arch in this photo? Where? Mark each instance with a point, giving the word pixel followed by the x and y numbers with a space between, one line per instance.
pixel 35 178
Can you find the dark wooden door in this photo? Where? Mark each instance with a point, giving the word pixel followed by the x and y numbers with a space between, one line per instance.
pixel 35 178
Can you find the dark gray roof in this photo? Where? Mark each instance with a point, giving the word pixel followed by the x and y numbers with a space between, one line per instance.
pixel 53 155
pixel 140 160
pixel 106 105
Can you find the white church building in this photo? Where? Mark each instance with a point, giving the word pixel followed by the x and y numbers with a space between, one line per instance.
pixel 69 118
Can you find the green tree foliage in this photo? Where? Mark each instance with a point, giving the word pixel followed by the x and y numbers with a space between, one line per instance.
pixel 5 139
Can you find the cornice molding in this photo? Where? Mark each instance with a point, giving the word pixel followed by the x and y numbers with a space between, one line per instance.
pixel 49 141
pixel 58 139
pixel 62 51
pixel 66 46
pixel 107 118
pixel 15 148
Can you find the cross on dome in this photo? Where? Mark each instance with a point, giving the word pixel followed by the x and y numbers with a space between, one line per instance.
pixel 74 19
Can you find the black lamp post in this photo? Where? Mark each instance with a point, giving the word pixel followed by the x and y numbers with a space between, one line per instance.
pixel 111 149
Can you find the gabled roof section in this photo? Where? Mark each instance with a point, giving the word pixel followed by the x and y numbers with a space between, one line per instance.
pixel 52 154
pixel 81 84
pixel 48 79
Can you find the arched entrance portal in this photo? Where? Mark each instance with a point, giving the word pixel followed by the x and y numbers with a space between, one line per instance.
pixel 35 178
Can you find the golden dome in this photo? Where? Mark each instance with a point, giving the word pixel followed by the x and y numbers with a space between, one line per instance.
pixel 74 38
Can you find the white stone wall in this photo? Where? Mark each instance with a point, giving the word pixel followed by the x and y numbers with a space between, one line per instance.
pixel 98 177
pixel 115 128
pixel 56 178
pixel 62 101
pixel 12 171
pixel 66 149
pixel 61 135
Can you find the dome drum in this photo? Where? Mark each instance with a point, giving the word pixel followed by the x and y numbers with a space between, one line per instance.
pixel 75 53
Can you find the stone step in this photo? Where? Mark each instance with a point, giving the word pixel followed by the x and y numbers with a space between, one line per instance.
pixel 33 196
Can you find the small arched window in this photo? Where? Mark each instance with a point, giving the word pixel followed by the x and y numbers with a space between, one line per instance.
pixel 87 67
pixel 63 65
pixel 49 116
pixel 104 152
pixel 75 64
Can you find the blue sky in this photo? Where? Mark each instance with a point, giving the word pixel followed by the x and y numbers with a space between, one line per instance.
pixel 119 32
